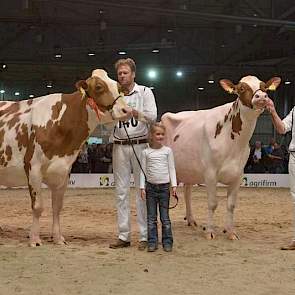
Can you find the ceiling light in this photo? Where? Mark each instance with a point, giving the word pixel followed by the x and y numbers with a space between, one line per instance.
pixel 58 55
pixel 31 95
pixel 91 53
pixel 201 88
pixel 121 52
pixel 287 82
pixel 16 93
pixel 3 66
pixel 152 87
pixel 210 81
pixel 49 84
pixel 155 51
pixel 179 73
pixel 152 74
pixel 2 91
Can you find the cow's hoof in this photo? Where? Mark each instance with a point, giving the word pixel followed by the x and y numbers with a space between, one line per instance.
pixel 210 236
pixel 233 236
pixel 190 221
pixel 34 244
pixel 60 241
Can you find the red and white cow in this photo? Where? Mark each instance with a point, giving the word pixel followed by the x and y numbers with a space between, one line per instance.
pixel 40 139
pixel 212 146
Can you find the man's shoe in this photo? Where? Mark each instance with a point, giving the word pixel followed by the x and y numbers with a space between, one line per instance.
pixel 120 244
pixel 142 245
pixel 167 248
pixel 289 247
pixel 152 248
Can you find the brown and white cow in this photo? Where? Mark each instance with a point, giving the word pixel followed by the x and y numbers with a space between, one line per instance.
pixel 40 139
pixel 212 146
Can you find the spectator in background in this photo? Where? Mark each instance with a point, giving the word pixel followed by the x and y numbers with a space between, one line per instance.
pixel 276 159
pixel 82 160
pixel 92 152
pixel 257 158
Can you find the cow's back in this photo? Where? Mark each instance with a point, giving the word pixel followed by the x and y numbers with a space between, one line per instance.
pixel 196 148
pixel 16 121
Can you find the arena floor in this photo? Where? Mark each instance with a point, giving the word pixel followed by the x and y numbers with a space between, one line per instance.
pixel 252 265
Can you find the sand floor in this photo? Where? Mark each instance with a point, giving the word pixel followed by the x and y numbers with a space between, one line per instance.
pixel 253 265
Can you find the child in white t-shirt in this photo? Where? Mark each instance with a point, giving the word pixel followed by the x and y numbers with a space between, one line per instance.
pixel 159 173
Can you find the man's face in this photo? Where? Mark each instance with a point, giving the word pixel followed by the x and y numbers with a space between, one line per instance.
pixel 125 75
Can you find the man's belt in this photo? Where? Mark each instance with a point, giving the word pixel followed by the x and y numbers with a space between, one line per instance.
pixel 132 141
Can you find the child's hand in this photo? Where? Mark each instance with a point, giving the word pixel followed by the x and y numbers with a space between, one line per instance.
pixel 174 191
pixel 142 194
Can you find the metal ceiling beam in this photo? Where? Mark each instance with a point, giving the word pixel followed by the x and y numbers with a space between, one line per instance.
pixel 188 13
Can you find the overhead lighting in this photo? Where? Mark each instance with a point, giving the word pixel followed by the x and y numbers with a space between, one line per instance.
pixel 179 74
pixel 211 79
pixel 287 82
pixel 16 93
pixel 201 88
pixel 152 87
pixel 58 55
pixel 121 52
pixel 31 95
pixel 91 54
pixel 2 91
pixel 3 66
pixel 152 74
pixel 169 31
pixel 155 51
pixel 49 84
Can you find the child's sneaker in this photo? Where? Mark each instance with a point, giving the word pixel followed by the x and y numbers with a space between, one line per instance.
pixel 167 248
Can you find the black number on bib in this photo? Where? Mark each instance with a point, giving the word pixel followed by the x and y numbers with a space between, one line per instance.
pixel 134 122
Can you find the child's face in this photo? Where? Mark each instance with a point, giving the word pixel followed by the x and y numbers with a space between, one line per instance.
pixel 158 135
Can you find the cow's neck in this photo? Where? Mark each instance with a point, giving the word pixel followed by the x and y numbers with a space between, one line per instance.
pixel 248 117
pixel 239 122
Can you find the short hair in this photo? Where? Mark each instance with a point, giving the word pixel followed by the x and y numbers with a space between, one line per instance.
pixel 126 61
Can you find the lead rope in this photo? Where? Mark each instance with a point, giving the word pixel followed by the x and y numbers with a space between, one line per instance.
pixel 138 161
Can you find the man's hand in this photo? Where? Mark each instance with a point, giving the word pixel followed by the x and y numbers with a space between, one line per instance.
pixel 135 113
pixel 128 114
pixel 142 194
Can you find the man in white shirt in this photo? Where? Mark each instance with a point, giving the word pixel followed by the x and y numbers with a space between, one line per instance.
pixel 283 126
pixel 143 109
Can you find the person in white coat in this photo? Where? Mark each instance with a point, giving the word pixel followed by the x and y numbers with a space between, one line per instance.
pixel 141 102
pixel 283 126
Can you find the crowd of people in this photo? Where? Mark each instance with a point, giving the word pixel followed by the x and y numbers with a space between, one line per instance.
pixel 272 158
pixel 94 158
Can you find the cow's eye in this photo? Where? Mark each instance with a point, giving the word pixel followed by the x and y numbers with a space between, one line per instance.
pixel 242 89
pixel 256 96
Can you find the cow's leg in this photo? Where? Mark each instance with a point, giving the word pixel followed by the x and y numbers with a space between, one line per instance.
pixel 232 193
pixel 188 205
pixel 212 205
pixel 57 196
pixel 34 184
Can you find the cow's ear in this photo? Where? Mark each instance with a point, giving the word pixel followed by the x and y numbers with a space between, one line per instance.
pixel 82 84
pixel 273 83
pixel 228 86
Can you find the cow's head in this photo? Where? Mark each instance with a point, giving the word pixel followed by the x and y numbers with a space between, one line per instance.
pixel 105 93
pixel 251 91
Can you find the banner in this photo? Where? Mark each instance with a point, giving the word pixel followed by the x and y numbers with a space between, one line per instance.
pixel 107 180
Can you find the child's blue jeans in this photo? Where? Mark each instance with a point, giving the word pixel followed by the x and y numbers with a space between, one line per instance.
pixel 158 195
